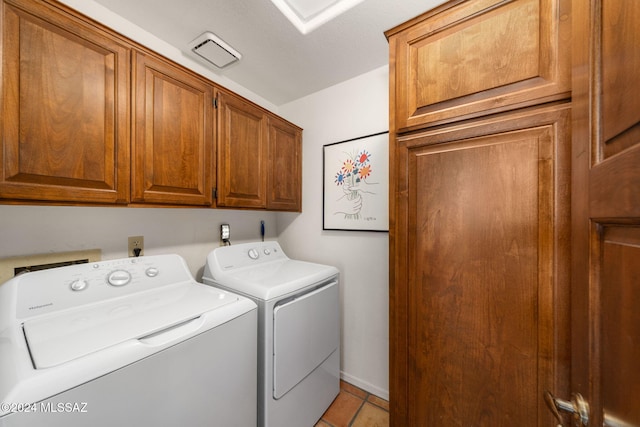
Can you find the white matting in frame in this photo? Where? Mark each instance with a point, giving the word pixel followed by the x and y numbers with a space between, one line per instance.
pixel 356 184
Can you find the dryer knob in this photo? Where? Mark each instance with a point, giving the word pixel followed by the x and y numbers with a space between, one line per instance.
pixel 253 254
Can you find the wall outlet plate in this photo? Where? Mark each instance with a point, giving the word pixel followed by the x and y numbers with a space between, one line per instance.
pixel 136 246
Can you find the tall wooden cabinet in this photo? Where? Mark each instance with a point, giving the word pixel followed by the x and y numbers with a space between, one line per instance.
pixel 65 107
pixel 172 156
pixel 479 215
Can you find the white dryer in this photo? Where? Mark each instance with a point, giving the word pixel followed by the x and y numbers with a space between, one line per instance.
pixel 129 342
pixel 298 328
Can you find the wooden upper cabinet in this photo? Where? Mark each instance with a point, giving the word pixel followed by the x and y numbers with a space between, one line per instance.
pixel 65 107
pixel 466 59
pixel 242 153
pixel 173 134
pixel 285 166
pixel 91 117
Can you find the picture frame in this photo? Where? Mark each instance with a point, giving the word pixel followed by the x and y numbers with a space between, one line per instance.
pixel 356 184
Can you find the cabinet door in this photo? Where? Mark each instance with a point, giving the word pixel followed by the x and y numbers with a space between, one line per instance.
pixel 173 134
pixel 242 153
pixel 65 108
pixel 285 166
pixel 480 271
pixel 467 59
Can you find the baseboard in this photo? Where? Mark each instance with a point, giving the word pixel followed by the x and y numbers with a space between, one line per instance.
pixel 384 394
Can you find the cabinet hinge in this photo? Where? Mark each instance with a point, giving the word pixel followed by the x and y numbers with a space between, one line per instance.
pixel 215 102
pixel 214 193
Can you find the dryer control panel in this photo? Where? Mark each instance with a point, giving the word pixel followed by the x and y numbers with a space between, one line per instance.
pixel 60 288
pixel 248 254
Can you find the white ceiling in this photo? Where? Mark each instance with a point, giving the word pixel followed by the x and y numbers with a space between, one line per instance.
pixel 278 62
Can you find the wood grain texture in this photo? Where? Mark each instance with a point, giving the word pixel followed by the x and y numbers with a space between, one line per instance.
pixel 486 46
pixel 605 214
pixel 619 296
pixel 242 153
pixel 620 106
pixel 174 144
pixel 284 186
pixel 65 114
pixel 475 280
pixel 473 58
pixel 480 320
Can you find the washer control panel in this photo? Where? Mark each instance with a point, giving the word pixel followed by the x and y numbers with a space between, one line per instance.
pixel 60 288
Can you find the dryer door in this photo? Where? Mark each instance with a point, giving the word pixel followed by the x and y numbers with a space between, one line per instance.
pixel 306 331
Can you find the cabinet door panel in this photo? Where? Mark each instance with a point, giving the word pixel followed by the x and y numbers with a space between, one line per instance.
pixel 285 170
pixel 65 108
pixel 172 157
pixel 478 57
pixel 479 303
pixel 242 153
pixel 620 65
pixel 605 210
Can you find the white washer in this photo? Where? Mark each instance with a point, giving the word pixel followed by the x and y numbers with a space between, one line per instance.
pixel 129 342
pixel 298 328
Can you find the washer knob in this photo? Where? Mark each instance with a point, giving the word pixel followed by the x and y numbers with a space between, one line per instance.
pixel 253 254
pixel 152 271
pixel 119 278
pixel 78 285
pixel 267 251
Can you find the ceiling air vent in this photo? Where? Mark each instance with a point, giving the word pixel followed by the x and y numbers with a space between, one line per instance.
pixel 214 50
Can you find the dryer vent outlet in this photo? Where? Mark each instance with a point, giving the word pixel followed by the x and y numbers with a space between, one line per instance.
pixel 136 246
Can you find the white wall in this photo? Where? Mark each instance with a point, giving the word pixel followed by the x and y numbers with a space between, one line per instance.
pixel 354 108
pixel 191 233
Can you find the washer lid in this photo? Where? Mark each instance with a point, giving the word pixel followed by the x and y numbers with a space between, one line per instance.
pixel 58 338
pixel 274 279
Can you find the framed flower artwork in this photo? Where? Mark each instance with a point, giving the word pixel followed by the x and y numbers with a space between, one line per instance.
pixel 356 184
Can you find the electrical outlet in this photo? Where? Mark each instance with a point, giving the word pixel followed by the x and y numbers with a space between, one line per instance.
pixel 136 246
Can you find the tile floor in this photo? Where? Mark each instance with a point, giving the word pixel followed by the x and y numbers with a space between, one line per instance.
pixel 354 407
